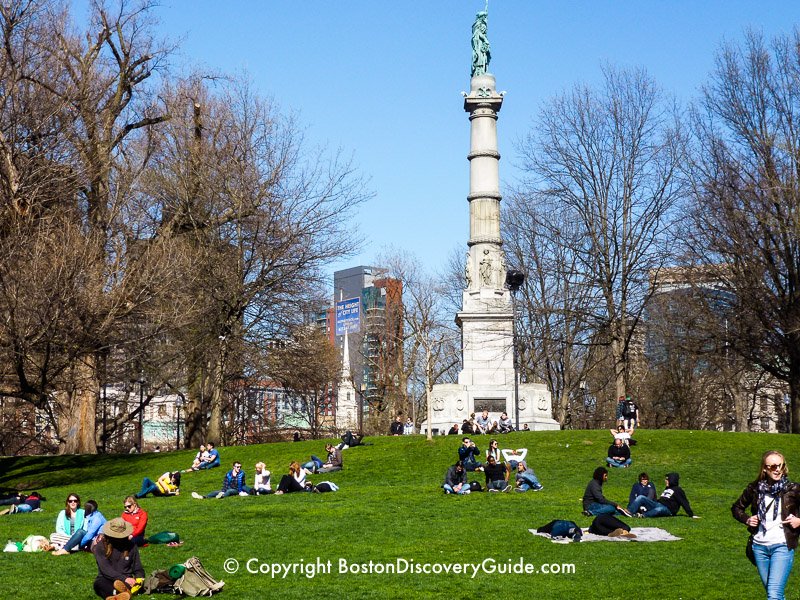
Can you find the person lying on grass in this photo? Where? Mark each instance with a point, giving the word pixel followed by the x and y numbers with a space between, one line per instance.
pixel 167 485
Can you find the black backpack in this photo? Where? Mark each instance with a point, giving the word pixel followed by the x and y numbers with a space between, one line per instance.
pixel 629 410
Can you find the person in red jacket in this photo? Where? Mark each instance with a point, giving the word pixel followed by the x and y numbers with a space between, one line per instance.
pixel 137 517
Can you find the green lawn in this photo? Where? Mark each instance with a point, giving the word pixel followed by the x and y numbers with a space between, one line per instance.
pixel 390 507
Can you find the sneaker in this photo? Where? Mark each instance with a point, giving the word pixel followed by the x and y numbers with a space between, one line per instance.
pixel 638 516
pixel 507 488
pixel 196 495
pixel 448 492
pixel 642 509
pixel 538 489
pixel 493 490
pixel 243 493
pixel 220 495
pixel 120 596
pixel 120 586
pixel 586 513
pixel 625 512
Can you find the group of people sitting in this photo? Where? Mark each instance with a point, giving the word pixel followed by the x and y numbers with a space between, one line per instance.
pixel 77 527
pixel 497 470
pixel 206 458
pixel 643 500
pixel 484 424
pixel 234 482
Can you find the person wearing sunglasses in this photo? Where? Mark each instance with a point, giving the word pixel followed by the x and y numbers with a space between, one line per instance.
pixel 773 501
pixel 69 526
pixel 137 517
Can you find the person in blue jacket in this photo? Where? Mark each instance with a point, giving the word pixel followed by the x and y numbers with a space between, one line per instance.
pixel 232 485
pixel 94 521
pixel 212 458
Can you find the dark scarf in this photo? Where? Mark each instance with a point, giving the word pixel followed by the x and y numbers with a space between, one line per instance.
pixel 773 489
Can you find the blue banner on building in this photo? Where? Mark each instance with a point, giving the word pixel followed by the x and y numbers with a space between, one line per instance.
pixel 348 316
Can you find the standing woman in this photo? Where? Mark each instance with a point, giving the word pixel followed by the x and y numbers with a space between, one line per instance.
pixel 773 502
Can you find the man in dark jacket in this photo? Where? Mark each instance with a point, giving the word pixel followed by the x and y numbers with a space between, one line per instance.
pixel 397 426
pixel 619 455
pixel 455 481
pixel 672 499
pixel 594 503
pixel 467 453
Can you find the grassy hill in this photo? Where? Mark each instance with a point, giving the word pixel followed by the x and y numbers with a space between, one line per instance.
pixel 390 507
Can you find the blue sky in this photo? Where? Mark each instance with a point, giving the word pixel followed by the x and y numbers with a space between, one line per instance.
pixel 381 80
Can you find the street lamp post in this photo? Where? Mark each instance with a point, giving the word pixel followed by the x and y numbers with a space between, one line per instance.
pixel 514 281
pixel 141 412
pixel 178 402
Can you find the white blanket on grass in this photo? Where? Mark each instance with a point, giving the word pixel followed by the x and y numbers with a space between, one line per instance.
pixel 643 534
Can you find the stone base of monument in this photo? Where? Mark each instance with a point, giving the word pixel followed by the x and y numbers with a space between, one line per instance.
pixel 451 403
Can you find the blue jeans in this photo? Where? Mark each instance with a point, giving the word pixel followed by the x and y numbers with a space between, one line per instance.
pixel 148 487
pixel 497 484
pixel 528 481
pixel 601 509
pixel 617 464
pixel 23 508
pixel 774 564
pixel 209 465
pixel 464 489
pixel 74 540
pixel 654 509
pixel 314 464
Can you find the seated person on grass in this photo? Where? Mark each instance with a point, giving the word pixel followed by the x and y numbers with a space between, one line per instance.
pixel 232 485
pixel 455 481
pixel 594 503
pixel 69 525
pixel 619 455
pixel 200 458
pixel 467 453
pixel 644 487
pixel 262 485
pixel 668 504
pixel 294 481
pixel 526 479
pixel 453 430
pixel 167 485
pixel 94 523
pixel 212 457
pixel 137 517
pixel 496 476
pixel 333 462
pixel 350 440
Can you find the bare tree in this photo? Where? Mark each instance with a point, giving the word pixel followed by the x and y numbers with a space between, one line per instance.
pixel 555 302
pixel 606 162
pixel 746 222
pixel 259 214
pixel 430 339
pixel 307 365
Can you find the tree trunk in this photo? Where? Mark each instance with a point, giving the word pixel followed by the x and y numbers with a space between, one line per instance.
pixel 217 395
pixel 77 422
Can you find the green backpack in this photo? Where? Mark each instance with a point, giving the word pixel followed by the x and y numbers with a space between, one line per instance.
pixel 196 581
pixel 163 537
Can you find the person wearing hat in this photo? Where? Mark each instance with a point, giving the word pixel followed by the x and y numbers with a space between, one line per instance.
pixel 119 568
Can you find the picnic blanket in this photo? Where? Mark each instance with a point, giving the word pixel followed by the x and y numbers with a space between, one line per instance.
pixel 643 534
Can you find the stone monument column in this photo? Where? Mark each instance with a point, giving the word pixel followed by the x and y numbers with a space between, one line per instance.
pixel 486 381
